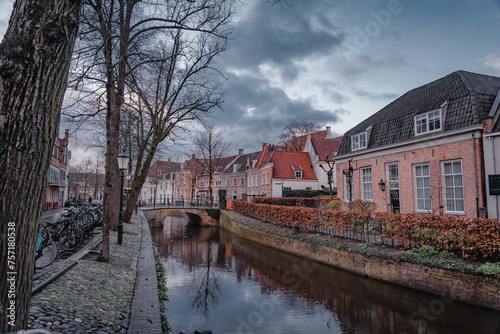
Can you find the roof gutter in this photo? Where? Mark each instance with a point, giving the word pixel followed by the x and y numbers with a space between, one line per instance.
pixel 416 140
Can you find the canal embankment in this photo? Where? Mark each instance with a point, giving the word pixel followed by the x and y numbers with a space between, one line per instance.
pixel 375 262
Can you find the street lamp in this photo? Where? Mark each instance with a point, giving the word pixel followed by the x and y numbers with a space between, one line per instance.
pixel 123 159
pixel 381 185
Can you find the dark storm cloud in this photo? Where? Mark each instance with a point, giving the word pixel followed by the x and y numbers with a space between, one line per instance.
pixel 256 112
pixel 281 37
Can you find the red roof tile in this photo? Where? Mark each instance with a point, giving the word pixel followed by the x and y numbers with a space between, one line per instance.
pixel 283 162
pixel 325 147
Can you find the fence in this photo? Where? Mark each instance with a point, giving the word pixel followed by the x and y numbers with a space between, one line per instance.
pixel 476 238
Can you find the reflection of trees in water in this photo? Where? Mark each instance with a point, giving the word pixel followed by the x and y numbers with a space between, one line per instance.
pixel 198 248
pixel 208 292
pixel 357 304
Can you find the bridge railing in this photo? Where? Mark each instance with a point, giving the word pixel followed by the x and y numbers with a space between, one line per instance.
pixel 176 202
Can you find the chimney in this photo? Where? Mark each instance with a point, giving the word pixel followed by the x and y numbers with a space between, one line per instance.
pixel 263 146
pixel 193 156
pixel 240 151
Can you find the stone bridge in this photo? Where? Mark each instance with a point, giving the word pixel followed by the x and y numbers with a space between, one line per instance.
pixel 196 215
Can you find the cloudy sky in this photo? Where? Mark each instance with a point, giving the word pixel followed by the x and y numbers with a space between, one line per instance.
pixel 336 62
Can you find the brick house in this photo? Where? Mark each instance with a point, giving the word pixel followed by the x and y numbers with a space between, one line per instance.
pixel 236 177
pixel 422 153
pixel 202 193
pixel 56 192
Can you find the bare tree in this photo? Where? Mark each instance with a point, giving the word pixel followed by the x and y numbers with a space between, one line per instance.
pixel 209 146
pixel 175 85
pixel 120 41
pixel 291 133
pixel 34 59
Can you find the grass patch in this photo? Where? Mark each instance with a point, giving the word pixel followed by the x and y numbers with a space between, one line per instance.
pixel 162 291
pixel 490 268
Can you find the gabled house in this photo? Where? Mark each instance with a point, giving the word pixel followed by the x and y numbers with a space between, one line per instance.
pixel 291 171
pixel 56 192
pixel 322 152
pixel 235 177
pixel 423 153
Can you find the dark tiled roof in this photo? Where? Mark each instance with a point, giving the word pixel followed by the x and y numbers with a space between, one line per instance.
pixel 241 161
pixel 469 97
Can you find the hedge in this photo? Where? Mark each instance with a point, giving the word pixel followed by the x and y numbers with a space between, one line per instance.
pixel 475 238
pixel 294 201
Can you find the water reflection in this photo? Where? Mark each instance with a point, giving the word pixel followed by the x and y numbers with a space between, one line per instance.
pixel 221 282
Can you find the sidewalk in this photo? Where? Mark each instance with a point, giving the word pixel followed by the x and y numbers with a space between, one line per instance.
pixel 98 297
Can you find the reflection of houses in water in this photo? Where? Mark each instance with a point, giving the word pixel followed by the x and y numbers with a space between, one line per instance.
pixel 357 304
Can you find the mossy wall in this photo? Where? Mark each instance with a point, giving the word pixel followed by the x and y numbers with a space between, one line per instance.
pixel 470 288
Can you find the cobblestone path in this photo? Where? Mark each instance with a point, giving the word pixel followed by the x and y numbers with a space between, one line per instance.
pixel 92 296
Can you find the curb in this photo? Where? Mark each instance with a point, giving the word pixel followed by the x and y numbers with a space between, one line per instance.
pixel 145 312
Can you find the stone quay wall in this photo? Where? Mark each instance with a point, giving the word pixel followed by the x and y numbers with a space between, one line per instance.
pixel 475 289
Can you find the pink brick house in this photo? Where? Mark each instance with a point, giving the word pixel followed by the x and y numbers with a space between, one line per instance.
pixel 422 153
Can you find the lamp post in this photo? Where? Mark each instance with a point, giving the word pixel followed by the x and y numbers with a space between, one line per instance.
pixel 123 159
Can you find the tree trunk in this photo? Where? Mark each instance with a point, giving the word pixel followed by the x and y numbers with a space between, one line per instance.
pixel 34 59
pixel 137 184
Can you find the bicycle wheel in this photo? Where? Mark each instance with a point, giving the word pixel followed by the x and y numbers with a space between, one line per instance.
pixel 70 238
pixel 46 255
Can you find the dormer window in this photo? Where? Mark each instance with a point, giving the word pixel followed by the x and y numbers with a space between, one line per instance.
pixel 428 122
pixel 358 141
pixel 298 174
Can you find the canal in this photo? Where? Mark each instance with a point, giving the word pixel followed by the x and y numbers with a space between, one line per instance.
pixel 224 283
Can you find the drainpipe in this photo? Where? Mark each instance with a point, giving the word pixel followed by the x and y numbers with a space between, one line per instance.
pixel 475 174
pixel 494 170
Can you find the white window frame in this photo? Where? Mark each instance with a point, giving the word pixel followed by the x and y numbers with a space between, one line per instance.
pixel 428 120
pixel 267 178
pixel 366 183
pixel 424 188
pixel 455 189
pixel 242 182
pixel 235 182
pixel 218 181
pixel 228 182
pixel 359 141
pixel 298 174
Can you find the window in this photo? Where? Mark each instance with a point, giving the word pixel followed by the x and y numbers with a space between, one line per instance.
pixel 242 182
pixel 366 184
pixel 202 183
pixel 218 181
pixel 267 178
pixel 227 183
pixel 453 190
pixel 235 182
pixel 422 179
pixel 298 174
pixel 263 178
pixel 348 186
pixel 428 122
pixel 358 141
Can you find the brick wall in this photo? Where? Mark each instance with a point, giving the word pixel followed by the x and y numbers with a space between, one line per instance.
pixel 462 150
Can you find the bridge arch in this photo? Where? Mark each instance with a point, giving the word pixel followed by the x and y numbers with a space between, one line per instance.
pixel 197 216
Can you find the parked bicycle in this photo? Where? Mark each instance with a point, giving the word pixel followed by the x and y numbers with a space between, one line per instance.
pixel 46 249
